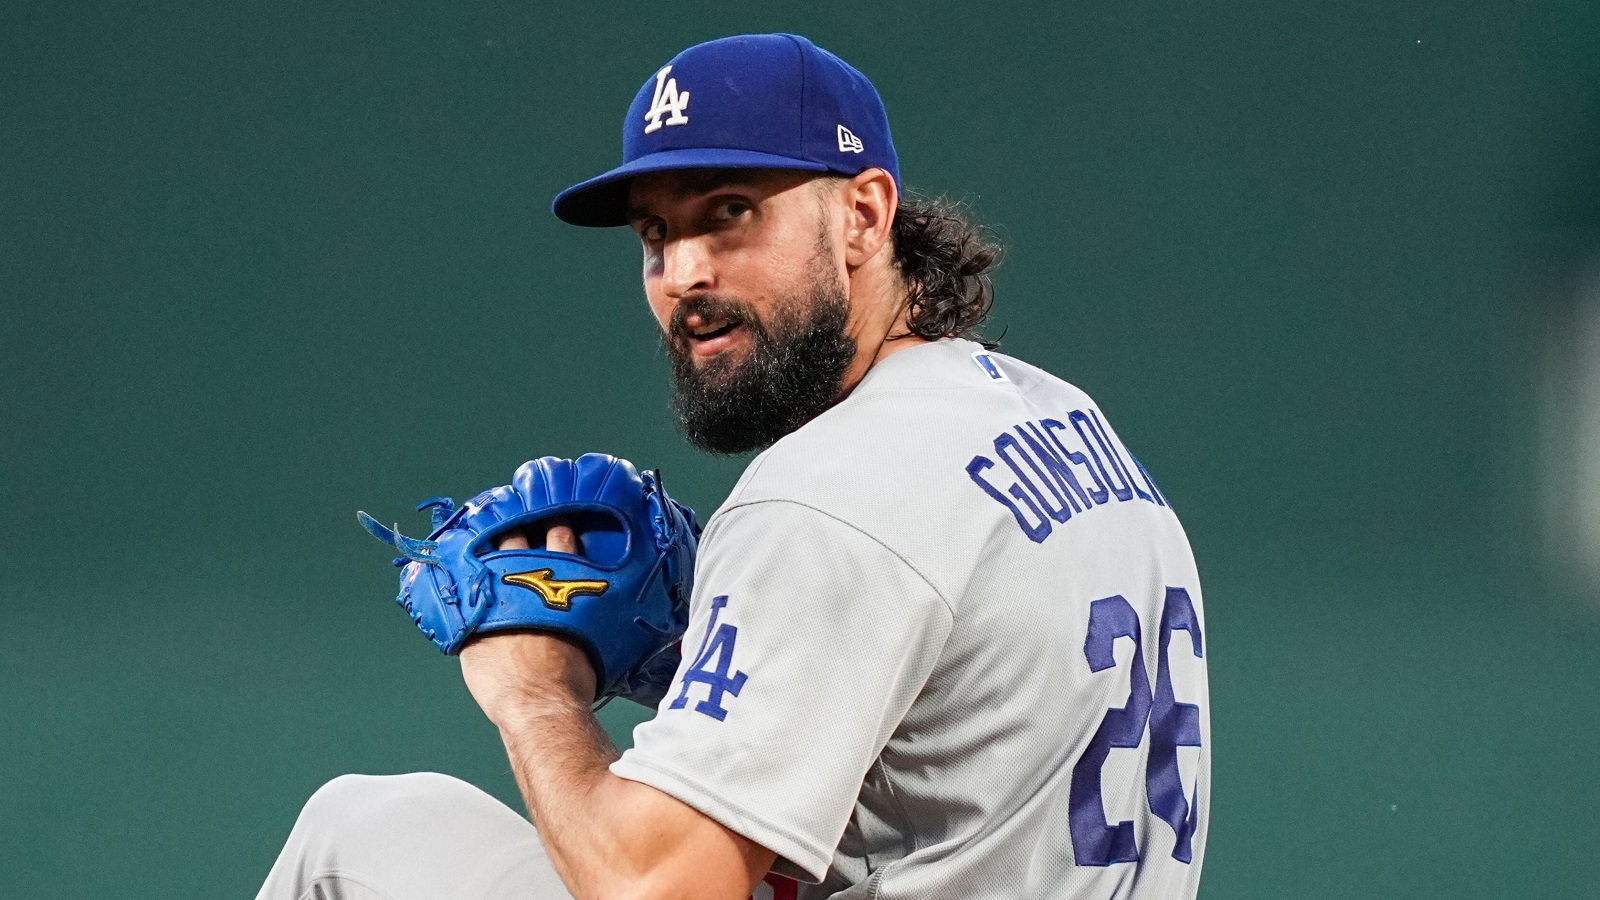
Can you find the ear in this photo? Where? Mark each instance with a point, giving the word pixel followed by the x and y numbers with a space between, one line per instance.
pixel 871 198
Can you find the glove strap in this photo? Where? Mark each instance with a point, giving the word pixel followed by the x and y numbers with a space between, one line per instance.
pixel 441 509
pixel 661 519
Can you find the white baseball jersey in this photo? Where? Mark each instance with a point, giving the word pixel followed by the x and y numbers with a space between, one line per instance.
pixel 946 641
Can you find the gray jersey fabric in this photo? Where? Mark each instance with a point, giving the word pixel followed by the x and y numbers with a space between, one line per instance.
pixel 947 641
pixel 422 836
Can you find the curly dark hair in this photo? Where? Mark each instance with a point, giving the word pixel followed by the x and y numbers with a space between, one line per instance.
pixel 946 260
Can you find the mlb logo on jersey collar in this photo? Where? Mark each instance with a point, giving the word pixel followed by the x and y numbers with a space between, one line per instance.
pixel 990 367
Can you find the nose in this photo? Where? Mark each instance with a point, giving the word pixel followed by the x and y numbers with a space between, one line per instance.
pixel 686 267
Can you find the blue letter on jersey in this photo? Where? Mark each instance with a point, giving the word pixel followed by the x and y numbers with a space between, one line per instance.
pixel 718 643
pixel 1035 533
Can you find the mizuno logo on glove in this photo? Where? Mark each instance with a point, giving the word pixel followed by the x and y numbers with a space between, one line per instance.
pixel 557 594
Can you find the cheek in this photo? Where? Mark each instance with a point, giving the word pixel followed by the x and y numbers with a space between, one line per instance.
pixel 652 262
pixel 662 310
pixel 756 268
pixel 785 257
pixel 660 304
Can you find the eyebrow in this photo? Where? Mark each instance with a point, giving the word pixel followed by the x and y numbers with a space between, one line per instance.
pixel 699 181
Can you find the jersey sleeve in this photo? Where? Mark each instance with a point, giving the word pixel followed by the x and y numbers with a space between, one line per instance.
pixel 807 642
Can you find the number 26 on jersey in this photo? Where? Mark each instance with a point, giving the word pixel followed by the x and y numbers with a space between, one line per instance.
pixel 1096 842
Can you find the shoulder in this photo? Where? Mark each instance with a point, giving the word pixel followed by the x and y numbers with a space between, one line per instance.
pixel 890 461
pixel 916 411
pixel 864 439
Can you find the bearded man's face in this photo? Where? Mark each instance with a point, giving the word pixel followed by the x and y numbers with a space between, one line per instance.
pixel 741 273
pixel 734 402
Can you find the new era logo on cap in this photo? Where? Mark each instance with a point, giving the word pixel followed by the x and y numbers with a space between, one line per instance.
pixel 769 101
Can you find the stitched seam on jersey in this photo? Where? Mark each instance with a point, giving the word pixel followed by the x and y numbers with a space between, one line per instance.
pixel 894 797
pixel 949 607
pixel 714 524
pixel 742 486
pixel 875 881
pixel 919 388
pixel 341 875
pixel 819 854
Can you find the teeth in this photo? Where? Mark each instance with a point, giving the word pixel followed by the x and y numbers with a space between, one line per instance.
pixel 709 329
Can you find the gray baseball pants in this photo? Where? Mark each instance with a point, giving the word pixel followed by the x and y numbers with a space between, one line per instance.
pixel 410 837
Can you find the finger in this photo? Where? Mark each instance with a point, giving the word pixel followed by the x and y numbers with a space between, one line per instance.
pixel 513 540
pixel 560 537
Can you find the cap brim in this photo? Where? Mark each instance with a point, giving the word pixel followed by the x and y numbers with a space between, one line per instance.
pixel 602 201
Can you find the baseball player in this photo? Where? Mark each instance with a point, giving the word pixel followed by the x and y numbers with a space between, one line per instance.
pixel 945 637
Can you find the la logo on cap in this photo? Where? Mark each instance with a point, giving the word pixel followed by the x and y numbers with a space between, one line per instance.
pixel 667 100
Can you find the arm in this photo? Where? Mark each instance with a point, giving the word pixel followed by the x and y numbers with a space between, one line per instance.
pixel 607 836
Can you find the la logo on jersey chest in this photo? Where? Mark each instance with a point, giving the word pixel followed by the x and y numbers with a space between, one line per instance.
pixel 668 101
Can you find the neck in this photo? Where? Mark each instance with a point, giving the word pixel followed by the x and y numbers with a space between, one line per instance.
pixel 879 320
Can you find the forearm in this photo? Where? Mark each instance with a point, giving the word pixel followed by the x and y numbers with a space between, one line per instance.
pixel 610 837
pixel 559 756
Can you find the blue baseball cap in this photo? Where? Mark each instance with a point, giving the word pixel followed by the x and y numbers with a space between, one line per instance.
pixel 769 101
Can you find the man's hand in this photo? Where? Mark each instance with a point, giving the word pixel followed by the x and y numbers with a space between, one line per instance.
pixel 508 671
pixel 608 837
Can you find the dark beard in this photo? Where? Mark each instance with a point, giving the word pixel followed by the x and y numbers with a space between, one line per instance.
pixel 790 375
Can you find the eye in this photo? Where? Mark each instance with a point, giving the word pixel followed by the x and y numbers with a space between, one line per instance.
pixel 653 232
pixel 728 209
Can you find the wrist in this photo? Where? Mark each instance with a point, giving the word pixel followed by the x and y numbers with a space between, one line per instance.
pixel 558 669
pixel 519 713
pixel 518 675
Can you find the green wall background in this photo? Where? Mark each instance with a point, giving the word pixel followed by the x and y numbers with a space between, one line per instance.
pixel 259 264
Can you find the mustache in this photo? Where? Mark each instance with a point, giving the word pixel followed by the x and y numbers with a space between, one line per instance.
pixel 710 307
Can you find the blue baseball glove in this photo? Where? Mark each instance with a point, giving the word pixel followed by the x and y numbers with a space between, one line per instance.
pixel 624 597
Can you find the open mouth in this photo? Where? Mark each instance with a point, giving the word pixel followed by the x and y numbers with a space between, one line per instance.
pixel 712 337
pixel 712 331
